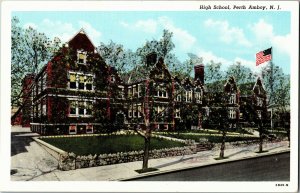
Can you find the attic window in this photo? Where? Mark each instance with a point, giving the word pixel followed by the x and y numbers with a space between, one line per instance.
pixel 81 57
pixel 112 79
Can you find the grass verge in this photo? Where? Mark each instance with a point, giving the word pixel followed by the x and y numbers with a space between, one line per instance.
pixel 86 145
pixel 210 138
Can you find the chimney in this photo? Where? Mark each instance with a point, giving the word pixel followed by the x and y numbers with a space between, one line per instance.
pixel 199 72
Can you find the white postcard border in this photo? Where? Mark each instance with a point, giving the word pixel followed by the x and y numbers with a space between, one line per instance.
pixel 6 185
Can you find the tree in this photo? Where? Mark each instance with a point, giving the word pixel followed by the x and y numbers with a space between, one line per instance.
pixel 30 50
pixel 241 73
pixel 282 101
pixel 213 76
pixel 220 116
pixel 277 86
pixel 272 75
pixel 115 55
pixel 18 67
pixel 162 48
pixel 37 49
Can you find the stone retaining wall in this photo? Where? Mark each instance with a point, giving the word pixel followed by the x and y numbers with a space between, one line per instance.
pixel 72 162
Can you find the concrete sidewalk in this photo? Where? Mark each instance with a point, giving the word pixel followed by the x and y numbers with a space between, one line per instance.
pixel 126 171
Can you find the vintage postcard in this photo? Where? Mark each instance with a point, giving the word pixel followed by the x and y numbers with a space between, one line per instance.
pixel 149 96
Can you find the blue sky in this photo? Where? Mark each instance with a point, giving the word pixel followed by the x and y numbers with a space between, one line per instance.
pixel 224 37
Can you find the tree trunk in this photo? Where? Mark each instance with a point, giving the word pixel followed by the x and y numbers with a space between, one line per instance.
pixel 146 153
pixel 260 139
pixel 222 145
pixel 288 136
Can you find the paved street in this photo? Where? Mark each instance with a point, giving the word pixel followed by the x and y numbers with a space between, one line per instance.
pixel 28 159
pixel 268 168
pixel 31 162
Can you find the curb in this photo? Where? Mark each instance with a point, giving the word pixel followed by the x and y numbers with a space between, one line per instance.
pixel 204 165
pixel 52 150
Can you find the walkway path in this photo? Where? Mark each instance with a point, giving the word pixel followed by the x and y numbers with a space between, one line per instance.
pixel 29 160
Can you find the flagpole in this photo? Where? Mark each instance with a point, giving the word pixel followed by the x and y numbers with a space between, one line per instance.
pixel 271 94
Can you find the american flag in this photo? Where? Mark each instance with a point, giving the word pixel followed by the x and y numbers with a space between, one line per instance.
pixel 263 56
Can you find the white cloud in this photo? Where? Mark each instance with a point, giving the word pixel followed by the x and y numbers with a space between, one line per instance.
pixel 262 30
pixel 249 63
pixel 148 26
pixel 228 34
pixel 182 38
pixel 208 56
pixel 283 43
pixel 65 31
pixel 264 34
pixel 91 32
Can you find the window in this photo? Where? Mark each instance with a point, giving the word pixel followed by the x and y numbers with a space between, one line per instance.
pixel 80 81
pixel 160 109
pixel 39 110
pixel 232 114
pixel 139 110
pixel 178 98
pixel 33 92
pixel 80 108
pixel 44 112
pixel 259 114
pixel 164 94
pixel 134 111
pixel 129 92
pixel 89 83
pixel 134 91
pixel 139 90
pixel 112 79
pixel 198 97
pixel 156 110
pixel 161 93
pixel 89 107
pixel 73 108
pixel 121 92
pixel 72 129
pixel 89 129
pixel 232 99
pixel 44 84
pixel 177 113
pixel 81 57
pixel 259 102
pixel 129 113
pixel 188 96
pixel 73 81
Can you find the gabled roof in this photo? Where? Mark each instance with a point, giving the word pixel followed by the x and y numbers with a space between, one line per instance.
pixel 81 41
pixel 142 72
pixel 258 87
pixel 230 85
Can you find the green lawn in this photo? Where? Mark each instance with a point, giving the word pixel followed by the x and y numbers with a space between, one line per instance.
pixel 108 144
pixel 211 138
